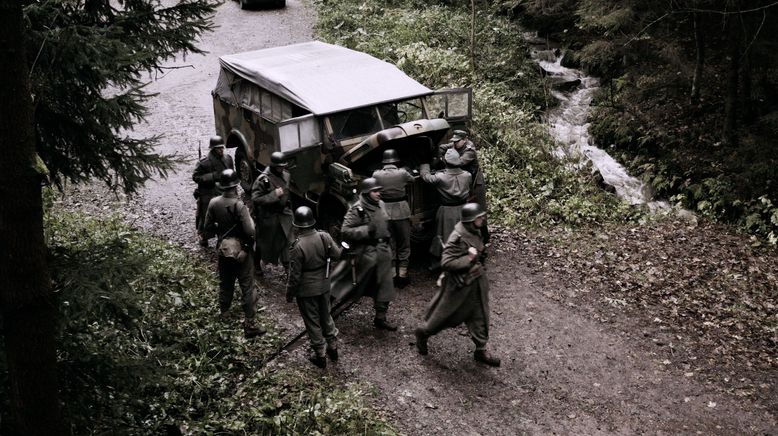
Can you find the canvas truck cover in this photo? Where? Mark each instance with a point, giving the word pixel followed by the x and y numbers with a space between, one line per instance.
pixel 322 78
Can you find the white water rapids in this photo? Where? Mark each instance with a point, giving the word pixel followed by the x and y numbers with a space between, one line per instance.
pixel 569 127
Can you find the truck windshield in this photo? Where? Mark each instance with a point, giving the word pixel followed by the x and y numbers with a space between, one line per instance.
pixel 368 120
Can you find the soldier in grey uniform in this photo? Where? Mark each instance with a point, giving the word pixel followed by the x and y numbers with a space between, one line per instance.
pixel 229 220
pixel 467 153
pixel 310 256
pixel 366 229
pixel 273 212
pixel 464 296
pixel 206 174
pixel 453 186
pixel 393 181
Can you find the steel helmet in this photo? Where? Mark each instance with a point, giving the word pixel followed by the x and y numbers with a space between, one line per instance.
pixel 216 141
pixel 370 184
pixel 390 156
pixel 229 179
pixel 303 217
pixel 277 159
pixel 471 211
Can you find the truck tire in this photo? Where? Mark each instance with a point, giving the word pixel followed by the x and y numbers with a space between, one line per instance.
pixel 245 169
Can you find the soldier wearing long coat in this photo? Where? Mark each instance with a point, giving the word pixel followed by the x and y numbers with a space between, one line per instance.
pixel 229 220
pixel 310 257
pixel 273 212
pixel 206 174
pixel 393 181
pixel 464 294
pixel 469 157
pixel 365 229
pixel 453 186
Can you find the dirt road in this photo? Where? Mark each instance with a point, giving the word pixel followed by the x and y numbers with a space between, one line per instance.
pixel 563 372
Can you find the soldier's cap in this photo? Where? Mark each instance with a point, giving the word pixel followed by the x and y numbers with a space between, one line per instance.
pixel 452 158
pixel 456 136
pixel 460 133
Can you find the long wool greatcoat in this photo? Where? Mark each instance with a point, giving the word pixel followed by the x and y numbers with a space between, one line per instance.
pixel 206 174
pixel 453 186
pixel 462 278
pixel 373 261
pixel 273 216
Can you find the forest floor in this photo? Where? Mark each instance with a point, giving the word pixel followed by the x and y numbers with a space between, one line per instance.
pixel 667 327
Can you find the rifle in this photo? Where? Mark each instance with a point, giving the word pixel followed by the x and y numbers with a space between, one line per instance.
pixel 200 150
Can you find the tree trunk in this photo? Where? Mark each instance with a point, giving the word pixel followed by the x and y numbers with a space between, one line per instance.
pixel 731 103
pixel 27 303
pixel 747 113
pixel 472 36
pixel 699 44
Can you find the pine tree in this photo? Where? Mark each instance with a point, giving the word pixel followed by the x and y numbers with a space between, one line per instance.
pixel 73 74
pixel 90 61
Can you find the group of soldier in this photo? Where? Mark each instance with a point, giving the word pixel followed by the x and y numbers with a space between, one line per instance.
pixel 376 232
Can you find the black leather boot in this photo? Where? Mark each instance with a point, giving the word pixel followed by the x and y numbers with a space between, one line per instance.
pixel 483 356
pixel 319 361
pixel 383 324
pixel 332 353
pixel 250 330
pixel 421 341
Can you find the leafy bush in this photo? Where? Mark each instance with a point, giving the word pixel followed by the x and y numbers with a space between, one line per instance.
pixel 142 351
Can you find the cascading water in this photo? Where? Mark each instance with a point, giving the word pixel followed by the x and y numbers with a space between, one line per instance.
pixel 568 126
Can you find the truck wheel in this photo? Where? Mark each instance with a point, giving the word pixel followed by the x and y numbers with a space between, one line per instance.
pixel 245 169
pixel 243 4
pixel 280 4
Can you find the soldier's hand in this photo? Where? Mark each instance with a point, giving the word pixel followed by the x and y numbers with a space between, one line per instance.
pixel 371 229
pixel 472 253
pixel 279 191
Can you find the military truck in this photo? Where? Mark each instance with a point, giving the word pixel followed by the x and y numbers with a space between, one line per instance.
pixel 332 111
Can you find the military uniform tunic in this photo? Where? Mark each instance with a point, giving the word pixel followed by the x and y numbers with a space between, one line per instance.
pixel 274 216
pixel 309 284
pixel 453 186
pixel 206 174
pixel 464 296
pixel 365 228
pixel 469 158
pixel 228 217
pixel 393 181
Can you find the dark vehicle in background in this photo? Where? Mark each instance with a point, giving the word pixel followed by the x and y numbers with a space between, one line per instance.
pixel 332 111
pixel 246 4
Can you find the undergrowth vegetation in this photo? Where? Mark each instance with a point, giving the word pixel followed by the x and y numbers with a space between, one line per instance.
pixel 142 351
pixel 431 43
pixel 676 148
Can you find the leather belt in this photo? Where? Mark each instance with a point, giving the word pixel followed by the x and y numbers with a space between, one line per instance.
pixel 377 241
pixel 452 203
pixel 318 268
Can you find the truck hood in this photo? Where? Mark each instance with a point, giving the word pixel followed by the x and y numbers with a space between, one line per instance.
pixel 434 129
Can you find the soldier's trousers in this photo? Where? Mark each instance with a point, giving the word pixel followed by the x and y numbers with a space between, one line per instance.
pixel 202 208
pixel 231 270
pixel 469 312
pixel 319 325
pixel 401 241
